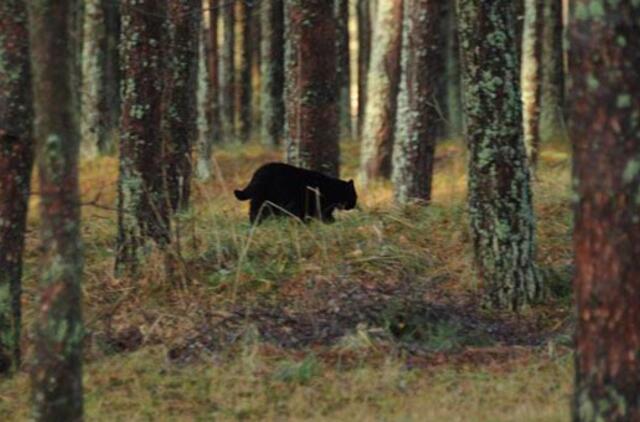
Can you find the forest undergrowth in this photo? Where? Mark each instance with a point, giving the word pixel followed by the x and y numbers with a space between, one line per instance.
pixel 375 317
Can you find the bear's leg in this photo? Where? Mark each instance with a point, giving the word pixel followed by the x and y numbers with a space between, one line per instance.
pixel 254 211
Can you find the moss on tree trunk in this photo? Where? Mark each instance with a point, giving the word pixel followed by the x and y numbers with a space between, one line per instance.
pixel 57 359
pixel 604 119
pixel 418 118
pixel 16 162
pixel 500 199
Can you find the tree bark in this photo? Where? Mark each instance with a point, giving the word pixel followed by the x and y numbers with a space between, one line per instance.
pixel 204 144
pixel 552 104
pixel 142 201
pixel 454 127
pixel 500 198
pixel 418 118
pixel 180 97
pixel 16 163
pixel 227 72
pixel 110 100
pixel 341 8
pixel 57 365
pixel 531 77
pixel 244 86
pixel 382 91
pixel 604 59
pixel 272 70
pixel 364 57
pixel 311 90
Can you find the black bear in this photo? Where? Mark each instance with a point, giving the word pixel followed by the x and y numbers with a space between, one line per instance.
pixel 282 189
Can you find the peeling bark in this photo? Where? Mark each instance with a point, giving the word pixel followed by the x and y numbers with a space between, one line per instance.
pixel 311 91
pixel 382 90
pixel 418 118
pixel 500 198
pixel 604 59
pixel 56 374
pixel 272 70
pixel 142 203
pixel 16 163
pixel 180 98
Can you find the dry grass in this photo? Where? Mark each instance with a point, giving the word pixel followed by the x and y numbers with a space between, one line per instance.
pixel 227 268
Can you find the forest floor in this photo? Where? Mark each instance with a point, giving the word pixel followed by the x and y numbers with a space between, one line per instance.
pixel 375 317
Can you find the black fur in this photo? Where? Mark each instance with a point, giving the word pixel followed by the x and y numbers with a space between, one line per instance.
pixel 281 189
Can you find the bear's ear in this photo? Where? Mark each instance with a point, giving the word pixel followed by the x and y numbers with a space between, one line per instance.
pixel 350 182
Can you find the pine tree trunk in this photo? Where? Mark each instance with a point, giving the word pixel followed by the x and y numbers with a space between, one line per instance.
pixel 604 59
pixel 311 90
pixel 227 72
pixel 272 70
pixel 214 71
pixel 244 69
pixel 453 107
pixel 57 363
pixel 500 199
pixel 364 57
pixel 531 77
pixel 344 79
pixel 418 118
pixel 552 113
pixel 204 144
pixel 180 97
pixel 382 90
pixel 16 162
pixel 142 201
pixel 110 100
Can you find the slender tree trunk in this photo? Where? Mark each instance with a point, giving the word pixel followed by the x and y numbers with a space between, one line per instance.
pixel 92 68
pixel 227 72
pixel 604 59
pixel 272 69
pixel 110 100
pixel 214 71
pixel 364 57
pixel 57 365
pixel 16 162
pixel 142 210
pixel 244 87
pixel 204 145
pixel 531 77
pixel 552 114
pixel 418 118
pixel 453 107
pixel 180 97
pixel 382 90
pixel 311 89
pixel 500 199
pixel 341 8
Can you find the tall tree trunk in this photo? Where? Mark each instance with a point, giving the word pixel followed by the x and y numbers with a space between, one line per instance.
pixel 311 90
pixel 382 91
pixel 204 145
pixel 142 208
pixel 418 118
pixel 272 69
pixel 531 77
pixel 604 121
pixel 343 70
pixel 16 162
pixel 453 107
pixel 227 72
pixel 244 87
pixel 57 366
pixel 364 57
pixel 180 97
pixel 92 58
pixel 552 103
pixel 500 199
pixel 110 100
